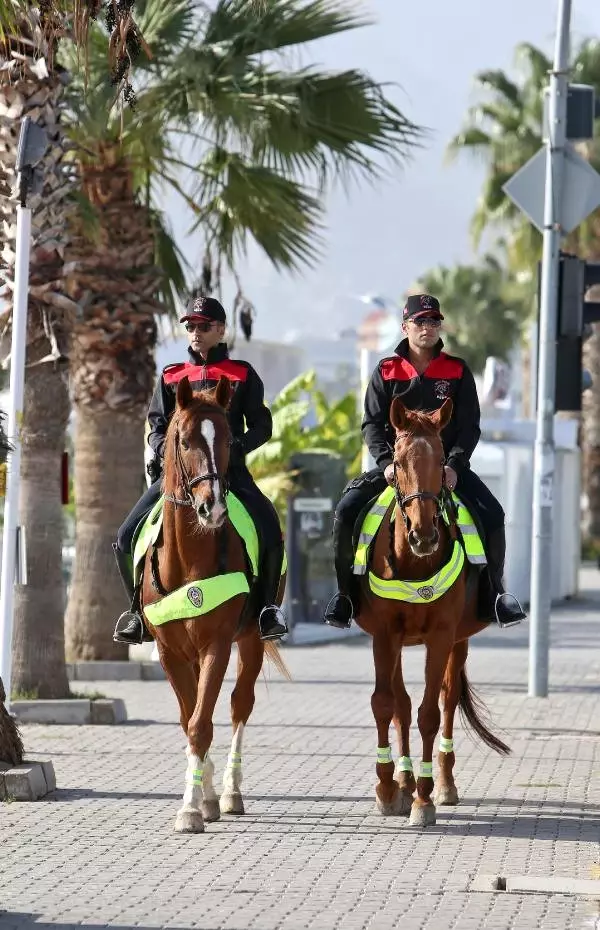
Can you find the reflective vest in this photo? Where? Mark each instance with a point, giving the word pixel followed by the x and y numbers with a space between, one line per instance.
pixel 418 592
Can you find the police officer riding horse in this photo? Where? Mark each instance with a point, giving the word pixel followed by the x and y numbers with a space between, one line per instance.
pixel 423 376
pixel 250 423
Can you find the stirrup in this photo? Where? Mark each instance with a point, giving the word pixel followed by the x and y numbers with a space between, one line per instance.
pixel 329 617
pixel 514 601
pixel 277 629
pixel 134 636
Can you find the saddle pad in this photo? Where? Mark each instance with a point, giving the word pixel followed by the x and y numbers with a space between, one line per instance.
pixel 149 531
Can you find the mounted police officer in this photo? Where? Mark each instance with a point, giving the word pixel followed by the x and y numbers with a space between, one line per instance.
pixel 251 426
pixel 423 375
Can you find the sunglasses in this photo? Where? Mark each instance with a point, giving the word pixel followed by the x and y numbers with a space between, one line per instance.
pixel 427 321
pixel 199 327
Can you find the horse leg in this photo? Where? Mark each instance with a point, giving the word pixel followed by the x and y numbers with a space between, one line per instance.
pixel 183 678
pixel 387 793
pixel 250 658
pixel 402 720
pixel 437 653
pixel 446 792
pixel 213 666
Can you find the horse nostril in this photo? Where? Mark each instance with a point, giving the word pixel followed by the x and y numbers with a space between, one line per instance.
pixel 413 539
pixel 202 510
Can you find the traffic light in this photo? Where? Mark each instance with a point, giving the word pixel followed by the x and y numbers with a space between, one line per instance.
pixel 575 314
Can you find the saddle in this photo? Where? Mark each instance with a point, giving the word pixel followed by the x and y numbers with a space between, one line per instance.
pixel 201 596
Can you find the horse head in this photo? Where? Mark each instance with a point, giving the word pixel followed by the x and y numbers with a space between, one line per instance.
pixel 197 452
pixel 419 472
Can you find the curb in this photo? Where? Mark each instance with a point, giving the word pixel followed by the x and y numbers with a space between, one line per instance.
pixel 27 782
pixel 115 671
pixel 70 711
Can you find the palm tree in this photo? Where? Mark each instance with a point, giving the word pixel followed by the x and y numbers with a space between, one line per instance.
pixel 505 129
pixel 216 99
pixel 484 318
pixel 31 85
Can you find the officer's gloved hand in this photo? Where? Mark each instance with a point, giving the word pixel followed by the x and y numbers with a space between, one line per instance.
pixel 154 469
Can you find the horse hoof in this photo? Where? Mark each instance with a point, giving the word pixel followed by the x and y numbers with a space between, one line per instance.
pixel 422 815
pixel 189 822
pixel 446 795
pixel 231 804
pixel 399 805
pixel 211 810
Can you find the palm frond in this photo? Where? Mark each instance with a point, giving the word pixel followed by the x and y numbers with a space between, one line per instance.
pixel 250 30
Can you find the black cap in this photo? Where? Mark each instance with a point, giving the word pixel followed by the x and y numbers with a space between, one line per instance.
pixel 205 308
pixel 422 305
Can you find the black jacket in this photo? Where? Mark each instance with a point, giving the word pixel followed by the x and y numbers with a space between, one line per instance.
pixel 445 376
pixel 250 420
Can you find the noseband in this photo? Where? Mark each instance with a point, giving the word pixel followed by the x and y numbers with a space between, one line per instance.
pixel 188 483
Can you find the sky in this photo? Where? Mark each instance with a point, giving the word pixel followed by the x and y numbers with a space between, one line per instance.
pixel 381 239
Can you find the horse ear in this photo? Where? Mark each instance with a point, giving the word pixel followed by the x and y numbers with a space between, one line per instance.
pixel 398 415
pixel 185 394
pixel 441 417
pixel 223 392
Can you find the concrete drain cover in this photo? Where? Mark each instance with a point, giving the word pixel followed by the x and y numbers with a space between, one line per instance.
pixel 537 884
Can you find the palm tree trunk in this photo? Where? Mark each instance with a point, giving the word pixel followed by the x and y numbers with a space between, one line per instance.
pixel 109 478
pixel 112 372
pixel 11 745
pixel 38 638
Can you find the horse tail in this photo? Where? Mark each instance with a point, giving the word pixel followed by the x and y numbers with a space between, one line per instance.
pixel 274 656
pixel 472 709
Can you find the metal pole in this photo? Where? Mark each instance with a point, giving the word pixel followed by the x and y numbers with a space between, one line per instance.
pixel 365 374
pixel 544 457
pixel 15 420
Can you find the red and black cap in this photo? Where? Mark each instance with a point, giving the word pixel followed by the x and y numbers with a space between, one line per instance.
pixel 420 305
pixel 207 309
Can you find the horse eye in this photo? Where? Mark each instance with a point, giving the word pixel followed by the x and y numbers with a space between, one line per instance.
pixel 185 444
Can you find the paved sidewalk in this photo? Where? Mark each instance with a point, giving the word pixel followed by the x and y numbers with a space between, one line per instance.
pixel 311 851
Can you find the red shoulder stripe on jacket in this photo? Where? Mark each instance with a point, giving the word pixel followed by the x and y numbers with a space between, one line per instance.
pixel 400 369
pixel 234 371
pixel 397 369
pixel 445 367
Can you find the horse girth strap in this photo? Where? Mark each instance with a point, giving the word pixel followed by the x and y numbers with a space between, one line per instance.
pixel 223 548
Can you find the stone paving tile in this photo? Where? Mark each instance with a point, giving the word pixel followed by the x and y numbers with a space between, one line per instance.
pixel 311 852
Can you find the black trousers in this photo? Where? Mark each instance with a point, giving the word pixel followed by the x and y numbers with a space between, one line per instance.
pixel 470 485
pixel 243 486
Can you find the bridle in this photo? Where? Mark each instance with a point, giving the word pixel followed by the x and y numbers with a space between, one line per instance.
pixel 188 483
pixel 442 499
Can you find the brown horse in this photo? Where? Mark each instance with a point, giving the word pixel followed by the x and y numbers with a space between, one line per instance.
pixel 415 543
pixel 199 542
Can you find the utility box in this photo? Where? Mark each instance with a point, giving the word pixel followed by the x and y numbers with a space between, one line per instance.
pixel 506 466
pixel 311 573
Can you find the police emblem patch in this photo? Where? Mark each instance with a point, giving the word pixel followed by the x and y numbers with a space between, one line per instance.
pixel 426 592
pixel 195 596
pixel 441 389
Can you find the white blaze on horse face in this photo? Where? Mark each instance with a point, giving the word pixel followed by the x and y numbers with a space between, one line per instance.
pixel 219 509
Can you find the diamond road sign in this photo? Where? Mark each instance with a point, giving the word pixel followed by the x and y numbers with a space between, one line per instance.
pixel 581 189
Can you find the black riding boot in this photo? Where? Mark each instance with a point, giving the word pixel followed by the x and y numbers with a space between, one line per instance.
pixel 271 622
pixel 340 609
pixel 130 627
pixel 502 606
